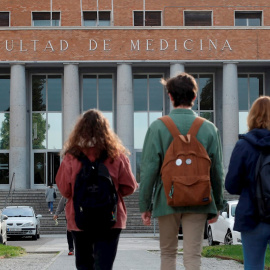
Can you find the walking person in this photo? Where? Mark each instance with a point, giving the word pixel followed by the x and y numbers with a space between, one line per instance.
pixel 182 90
pixel 240 180
pixel 50 197
pixel 60 208
pixel 93 136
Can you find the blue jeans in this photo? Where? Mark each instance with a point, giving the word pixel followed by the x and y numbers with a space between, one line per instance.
pixel 254 246
pixel 50 205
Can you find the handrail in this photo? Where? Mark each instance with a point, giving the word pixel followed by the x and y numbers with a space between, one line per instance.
pixel 11 184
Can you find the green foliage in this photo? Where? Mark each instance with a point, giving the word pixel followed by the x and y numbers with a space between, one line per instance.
pixel 4 133
pixel 10 251
pixel 232 252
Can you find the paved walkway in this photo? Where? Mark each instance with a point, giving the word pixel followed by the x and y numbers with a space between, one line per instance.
pixel 135 252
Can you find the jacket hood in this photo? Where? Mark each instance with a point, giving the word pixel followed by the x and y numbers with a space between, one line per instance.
pixel 258 137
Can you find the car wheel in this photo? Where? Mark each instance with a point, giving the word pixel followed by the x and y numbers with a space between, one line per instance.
pixel 35 237
pixel 1 239
pixel 228 240
pixel 211 242
pixel 38 234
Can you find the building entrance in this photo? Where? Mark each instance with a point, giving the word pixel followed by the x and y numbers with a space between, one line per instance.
pixel 46 166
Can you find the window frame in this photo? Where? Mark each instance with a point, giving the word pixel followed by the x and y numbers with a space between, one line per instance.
pixel 50 18
pixel 249 103
pixel 197 11
pixel 143 22
pixel 6 151
pixel 98 74
pixel 8 12
pixel 248 12
pixel 198 111
pixel 97 20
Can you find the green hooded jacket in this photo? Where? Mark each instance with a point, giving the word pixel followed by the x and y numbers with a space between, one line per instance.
pixel 156 143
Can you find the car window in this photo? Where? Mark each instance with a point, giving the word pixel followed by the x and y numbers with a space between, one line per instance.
pixel 18 212
pixel 233 209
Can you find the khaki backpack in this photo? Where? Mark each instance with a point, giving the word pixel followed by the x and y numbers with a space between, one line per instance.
pixel 185 171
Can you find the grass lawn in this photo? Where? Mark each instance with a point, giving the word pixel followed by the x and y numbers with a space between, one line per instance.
pixel 10 251
pixel 233 252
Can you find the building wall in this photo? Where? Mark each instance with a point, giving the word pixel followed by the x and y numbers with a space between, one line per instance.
pixel 123 50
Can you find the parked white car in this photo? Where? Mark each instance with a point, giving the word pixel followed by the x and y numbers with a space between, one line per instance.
pixel 3 229
pixel 22 221
pixel 222 231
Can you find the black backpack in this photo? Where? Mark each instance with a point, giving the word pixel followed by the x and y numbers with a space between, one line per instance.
pixel 95 197
pixel 262 195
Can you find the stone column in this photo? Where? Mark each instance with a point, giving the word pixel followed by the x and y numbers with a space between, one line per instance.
pixel 71 109
pixel 18 159
pixel 230 110
pixel 125 107
pixel 175 68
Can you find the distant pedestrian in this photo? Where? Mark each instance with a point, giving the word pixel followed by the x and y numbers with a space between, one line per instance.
pixel 60 208
pixel 93 136
pixel 49 195
pixel 182 90
pixel 240 180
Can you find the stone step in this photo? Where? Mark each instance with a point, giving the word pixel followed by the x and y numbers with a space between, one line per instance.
pixel 36 199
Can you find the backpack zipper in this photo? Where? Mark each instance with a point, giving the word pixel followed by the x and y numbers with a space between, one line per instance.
pixel 171 191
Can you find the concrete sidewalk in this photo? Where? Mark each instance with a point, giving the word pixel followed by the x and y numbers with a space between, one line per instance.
pixel 135 252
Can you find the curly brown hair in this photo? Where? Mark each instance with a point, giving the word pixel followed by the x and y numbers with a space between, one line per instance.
pixel 259 114
pixel 93 129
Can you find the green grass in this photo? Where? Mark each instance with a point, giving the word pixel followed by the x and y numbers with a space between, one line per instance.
pixel 233 252
pixel 10 251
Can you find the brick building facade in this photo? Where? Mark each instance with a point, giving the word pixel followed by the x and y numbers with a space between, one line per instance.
pixel 60 58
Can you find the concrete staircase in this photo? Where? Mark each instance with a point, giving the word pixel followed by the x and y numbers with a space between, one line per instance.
pixel 36 199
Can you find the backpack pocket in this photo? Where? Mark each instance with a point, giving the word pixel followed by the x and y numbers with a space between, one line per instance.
pixel 189 191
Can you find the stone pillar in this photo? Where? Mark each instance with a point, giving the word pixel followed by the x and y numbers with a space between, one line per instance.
pixel 71 109
pixel 125 107
pixel 230 110
pixel 18 159
pixel 175 68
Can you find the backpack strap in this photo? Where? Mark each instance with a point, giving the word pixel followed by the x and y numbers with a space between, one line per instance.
pixel 196 126
pixel 168 122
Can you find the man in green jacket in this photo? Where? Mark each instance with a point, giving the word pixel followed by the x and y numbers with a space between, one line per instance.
pixel 182 90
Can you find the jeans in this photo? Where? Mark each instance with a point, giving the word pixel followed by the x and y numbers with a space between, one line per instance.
pixel 254 246
pixel 94 251
pixel 50 206
pixel 70 241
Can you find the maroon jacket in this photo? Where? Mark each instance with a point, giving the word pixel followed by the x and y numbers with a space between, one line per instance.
pixel 120 171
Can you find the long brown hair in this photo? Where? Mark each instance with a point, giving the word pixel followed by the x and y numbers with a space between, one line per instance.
pixel 259 115
pixel 93 129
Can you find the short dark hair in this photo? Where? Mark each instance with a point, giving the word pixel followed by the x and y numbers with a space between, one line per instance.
pixel 183 89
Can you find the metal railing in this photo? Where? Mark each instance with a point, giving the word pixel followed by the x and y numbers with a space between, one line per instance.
pixel 9 198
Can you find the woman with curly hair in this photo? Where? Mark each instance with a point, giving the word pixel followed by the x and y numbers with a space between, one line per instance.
pixel 241 180
pixel 93 136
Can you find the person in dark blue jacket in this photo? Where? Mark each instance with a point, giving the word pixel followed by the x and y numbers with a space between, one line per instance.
pixel 240 180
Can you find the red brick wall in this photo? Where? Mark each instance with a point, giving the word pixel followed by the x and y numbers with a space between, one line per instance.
pixel 172 10
pixel 245 45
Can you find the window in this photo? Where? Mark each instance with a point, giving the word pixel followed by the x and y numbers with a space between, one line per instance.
pixel 46 127
pixel 46 18
pixel 148 106
pixel 98 93
pixel 248 18
pixel 204 103
pixel 250 87
pixel 94 18
pixel 4 128
pixel 152 18
pixel 4 18
pixel 198 18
